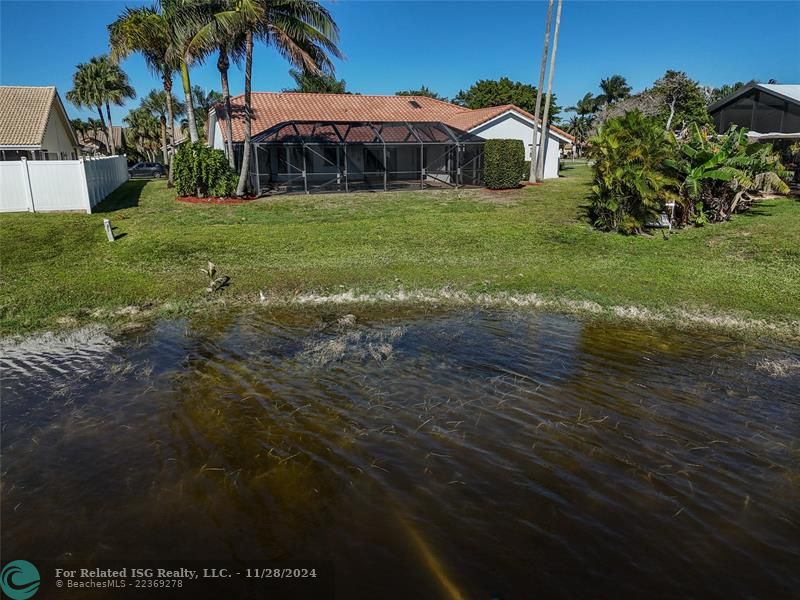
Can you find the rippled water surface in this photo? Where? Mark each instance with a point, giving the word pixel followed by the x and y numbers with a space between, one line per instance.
pixel 491 454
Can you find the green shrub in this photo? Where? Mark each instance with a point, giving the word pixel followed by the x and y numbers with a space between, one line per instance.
pixel 630 184
pixel 202 171
pixel 504 161
pixel 526 171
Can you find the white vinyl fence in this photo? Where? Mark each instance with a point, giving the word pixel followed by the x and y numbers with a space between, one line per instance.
pixel 52 185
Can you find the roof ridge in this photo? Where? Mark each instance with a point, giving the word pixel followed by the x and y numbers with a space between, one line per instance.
pixel 34 87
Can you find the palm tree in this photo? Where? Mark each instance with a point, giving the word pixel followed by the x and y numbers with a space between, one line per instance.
pixel 100 82
pixel 204 102
pixel 214 36
pixel 545 119
pixel 159 105
pixel 542 68
pixel 302 31
pixel 144 128
pixel 579 126
pixel 160 35
pixel 586 106
pixel 79 126
pixel 93 125
pixel 614 88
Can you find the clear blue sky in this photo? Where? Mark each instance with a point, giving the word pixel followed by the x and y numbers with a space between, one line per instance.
pixel 394 45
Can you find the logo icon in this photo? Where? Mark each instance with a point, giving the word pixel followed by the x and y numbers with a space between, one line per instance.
pixel 19 580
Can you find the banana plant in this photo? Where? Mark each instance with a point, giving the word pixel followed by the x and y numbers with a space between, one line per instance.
pixel 721 172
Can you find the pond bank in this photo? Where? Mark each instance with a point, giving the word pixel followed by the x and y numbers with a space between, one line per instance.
pixel 375 303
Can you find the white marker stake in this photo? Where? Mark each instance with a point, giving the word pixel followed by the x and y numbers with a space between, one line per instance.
pixel 107 227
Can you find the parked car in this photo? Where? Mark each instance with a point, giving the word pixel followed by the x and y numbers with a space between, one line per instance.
pixel 147 169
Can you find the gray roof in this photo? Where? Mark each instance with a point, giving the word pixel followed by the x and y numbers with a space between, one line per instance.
pixel 790 92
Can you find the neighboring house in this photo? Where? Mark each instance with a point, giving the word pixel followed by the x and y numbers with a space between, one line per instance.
pixel 333 142
pixel 768 111
pixel 34 125
pixel 94 142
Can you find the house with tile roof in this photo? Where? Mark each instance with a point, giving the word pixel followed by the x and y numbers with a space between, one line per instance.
pixel 34 125
pixel 338 142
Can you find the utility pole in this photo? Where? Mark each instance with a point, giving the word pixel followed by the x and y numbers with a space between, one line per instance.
pixel 532 176
pixel 545 126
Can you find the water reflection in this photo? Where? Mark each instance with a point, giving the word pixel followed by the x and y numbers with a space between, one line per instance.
pixel 481 453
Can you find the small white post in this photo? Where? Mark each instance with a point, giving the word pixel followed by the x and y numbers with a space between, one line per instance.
pixel 109 232
pixel 28 189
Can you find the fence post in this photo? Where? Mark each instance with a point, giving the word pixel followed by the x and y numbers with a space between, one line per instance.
pixel 85 185
pixel 28 189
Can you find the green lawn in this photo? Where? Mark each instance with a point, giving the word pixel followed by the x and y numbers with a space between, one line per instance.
pixel 530 240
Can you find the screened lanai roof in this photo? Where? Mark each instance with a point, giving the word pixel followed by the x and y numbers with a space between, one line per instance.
pixel 356 132
pixel 271 109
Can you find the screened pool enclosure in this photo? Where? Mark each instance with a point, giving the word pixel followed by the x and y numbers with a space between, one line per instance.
pixel 312 157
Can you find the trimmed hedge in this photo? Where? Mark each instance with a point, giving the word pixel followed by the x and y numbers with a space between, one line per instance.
pixel 504 162
pixel 202 171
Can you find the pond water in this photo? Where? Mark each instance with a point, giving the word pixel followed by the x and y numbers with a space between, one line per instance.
pixel 475 454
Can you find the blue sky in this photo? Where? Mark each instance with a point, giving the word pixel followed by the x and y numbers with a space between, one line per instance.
pixel 394 45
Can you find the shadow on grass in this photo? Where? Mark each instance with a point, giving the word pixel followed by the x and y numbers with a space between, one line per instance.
pixel 125 196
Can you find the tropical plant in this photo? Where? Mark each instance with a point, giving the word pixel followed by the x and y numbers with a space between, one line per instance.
pixel 302 31
pixel 316 83
pixel 630 187
pixel 721 173
pixel 162 34
pixel 215 36
pixel 144 129
pixel 715 94
pixel 203 102
pixel 423 91
pixel 158 104
pixel 203 171
pixel 579 127
pixel 586 106
pixel 614 88
pixel 95 125
pixel 149 31
pixel 504 161
pixel 80 127
pixel 100 82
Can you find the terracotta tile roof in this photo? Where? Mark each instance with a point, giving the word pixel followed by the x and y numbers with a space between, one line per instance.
pixel 24 112
pixel 273 108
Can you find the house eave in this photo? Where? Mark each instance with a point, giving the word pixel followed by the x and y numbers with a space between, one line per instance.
pixel 528 120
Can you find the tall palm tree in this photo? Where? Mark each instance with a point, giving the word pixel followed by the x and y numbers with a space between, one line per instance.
pixel 545 119
pixel 214 36
pixel 614 88
pixel 302 31
pixel 159 105
pixel 100 82
pixel 542 69
pixel 159 33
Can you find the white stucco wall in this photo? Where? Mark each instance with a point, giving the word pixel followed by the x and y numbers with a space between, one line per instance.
pixel 513 127
pixel 56 136
pixel 215 133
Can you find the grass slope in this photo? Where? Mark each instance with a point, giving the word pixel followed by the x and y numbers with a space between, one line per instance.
pixel 531 240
